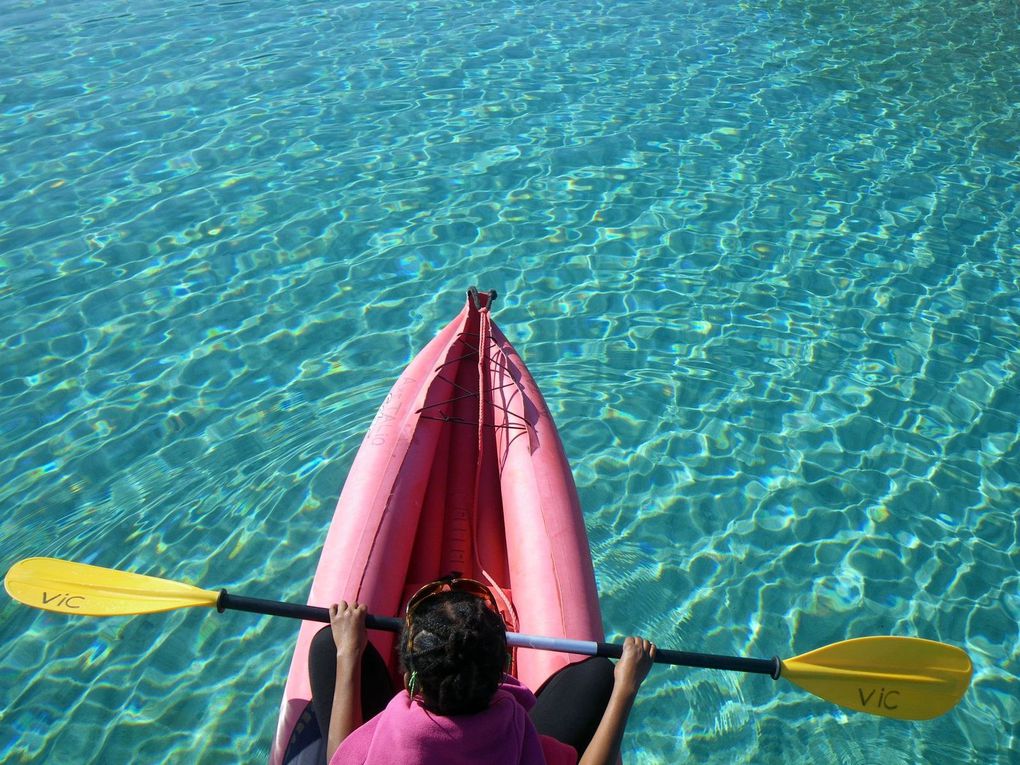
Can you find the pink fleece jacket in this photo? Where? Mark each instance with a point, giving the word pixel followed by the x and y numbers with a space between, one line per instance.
pixel 406 734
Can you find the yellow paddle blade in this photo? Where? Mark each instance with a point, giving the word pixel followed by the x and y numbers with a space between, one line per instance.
pixel 77 588
pixel 904 678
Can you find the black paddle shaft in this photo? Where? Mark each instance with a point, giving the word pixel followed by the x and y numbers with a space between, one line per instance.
pixel 226 601
pixel 771 667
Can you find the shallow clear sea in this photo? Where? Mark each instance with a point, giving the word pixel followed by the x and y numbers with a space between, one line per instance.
pixel 763 258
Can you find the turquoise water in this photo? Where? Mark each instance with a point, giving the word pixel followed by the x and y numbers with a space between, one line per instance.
pixel 761 256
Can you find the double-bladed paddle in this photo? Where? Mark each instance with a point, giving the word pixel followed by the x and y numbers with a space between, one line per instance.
pixel 900 677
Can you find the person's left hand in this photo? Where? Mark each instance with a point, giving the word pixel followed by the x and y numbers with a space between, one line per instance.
pixel 348 625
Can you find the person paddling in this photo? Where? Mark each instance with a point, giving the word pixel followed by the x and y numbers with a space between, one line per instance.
pixel 459 704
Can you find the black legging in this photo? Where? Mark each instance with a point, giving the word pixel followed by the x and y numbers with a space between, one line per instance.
pixel 571 702
pixel 376 686
pixel 569 709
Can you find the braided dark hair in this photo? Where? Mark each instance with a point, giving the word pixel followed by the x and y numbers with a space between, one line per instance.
pixel 456 647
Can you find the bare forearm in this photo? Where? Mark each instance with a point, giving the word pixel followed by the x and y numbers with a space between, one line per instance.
pixel 631 670
pixel 604 748
pixel 346 713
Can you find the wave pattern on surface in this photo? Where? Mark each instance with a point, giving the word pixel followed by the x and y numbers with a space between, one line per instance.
pixel 761 256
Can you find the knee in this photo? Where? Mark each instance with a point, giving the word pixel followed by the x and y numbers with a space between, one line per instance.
pixel 603 671
pixel 323 644
pixel 596 666
pixel 596 674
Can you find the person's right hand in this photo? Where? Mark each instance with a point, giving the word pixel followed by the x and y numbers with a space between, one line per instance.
pixel 633 666
pixel 348 624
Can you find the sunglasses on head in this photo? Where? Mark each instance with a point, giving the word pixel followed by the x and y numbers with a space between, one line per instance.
pixel 450 584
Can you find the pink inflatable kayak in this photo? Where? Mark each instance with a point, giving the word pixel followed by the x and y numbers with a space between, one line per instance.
pixel 461 471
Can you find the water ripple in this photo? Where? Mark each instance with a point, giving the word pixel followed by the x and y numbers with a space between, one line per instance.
pixel 760 256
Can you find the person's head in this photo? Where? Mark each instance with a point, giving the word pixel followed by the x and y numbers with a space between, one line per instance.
pixel 454 647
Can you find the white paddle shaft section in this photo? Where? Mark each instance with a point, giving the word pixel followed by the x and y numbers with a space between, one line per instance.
pixel 563 645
